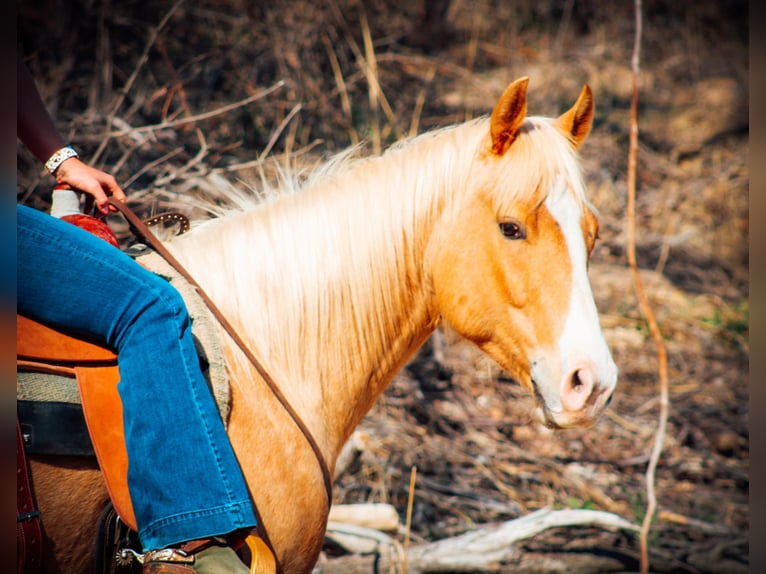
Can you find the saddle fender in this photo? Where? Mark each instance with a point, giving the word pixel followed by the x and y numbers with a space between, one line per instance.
pixel 43 349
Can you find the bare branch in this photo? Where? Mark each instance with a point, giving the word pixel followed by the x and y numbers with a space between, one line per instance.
pixel 129 84
pixel 483 548
pixel 646 308
pixel 190 119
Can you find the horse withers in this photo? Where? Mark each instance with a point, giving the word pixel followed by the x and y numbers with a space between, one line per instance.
pixel 335 285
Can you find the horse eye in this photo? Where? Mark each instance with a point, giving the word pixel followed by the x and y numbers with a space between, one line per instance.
pixel 512 230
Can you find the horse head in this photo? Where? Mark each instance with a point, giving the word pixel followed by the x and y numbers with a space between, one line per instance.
pixel 509 262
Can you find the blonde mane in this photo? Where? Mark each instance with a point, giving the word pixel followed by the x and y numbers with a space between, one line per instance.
pixel 326 268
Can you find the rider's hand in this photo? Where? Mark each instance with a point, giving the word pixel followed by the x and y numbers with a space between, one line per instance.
pixel 90 180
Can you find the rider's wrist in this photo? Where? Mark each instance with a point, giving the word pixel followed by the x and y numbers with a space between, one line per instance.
pixel 59 157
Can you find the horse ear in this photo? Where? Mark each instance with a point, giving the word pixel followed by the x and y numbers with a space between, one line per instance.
pixel 508 115
pixel 576 122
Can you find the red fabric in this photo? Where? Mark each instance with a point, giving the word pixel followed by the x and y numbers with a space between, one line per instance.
pixel 94 226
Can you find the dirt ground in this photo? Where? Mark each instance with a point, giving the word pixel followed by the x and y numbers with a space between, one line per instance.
pixel 376 71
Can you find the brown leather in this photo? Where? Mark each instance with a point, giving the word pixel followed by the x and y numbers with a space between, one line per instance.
pixel 43 349
pixel 35 341
pixel 262 559
pixel 235 540
pixel 101 402
pixel 194 546
pixel 102 407
pixel 167 568
pixel 172 217
pixel 29 534
pixel 191 548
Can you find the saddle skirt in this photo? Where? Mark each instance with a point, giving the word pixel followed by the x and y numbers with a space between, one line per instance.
pixel 56 367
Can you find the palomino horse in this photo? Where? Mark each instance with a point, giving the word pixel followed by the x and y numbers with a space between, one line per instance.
pixel 334 286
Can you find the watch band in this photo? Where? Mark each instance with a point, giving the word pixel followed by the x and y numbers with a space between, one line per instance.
pixel 59 157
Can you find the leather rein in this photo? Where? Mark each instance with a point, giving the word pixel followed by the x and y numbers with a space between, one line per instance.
pixel 141 230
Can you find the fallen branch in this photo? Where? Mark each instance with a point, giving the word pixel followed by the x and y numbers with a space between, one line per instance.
pixel 359 539
pixel 483 548
pixel 368 515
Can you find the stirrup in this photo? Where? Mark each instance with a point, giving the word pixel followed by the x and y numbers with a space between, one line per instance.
pixel 262 560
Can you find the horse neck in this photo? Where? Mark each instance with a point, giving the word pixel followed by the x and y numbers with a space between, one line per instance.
pixel 328 285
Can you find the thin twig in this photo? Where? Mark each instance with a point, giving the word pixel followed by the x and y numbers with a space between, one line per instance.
pixel 176 85
pixel 345 102
pixel 191 119
pixel 129 84
pixel 408 524
pixel 256 163
pixel 152 164
pixel 365 65
pixel 196 160
pixel 275 136
pixel 420 101
pixel 646 308
pixel 118 165
pixel 371 71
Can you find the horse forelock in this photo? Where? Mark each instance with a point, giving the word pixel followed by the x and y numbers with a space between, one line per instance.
pixel 540 159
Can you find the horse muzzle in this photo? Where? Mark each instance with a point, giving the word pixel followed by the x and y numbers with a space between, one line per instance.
pixel 583 397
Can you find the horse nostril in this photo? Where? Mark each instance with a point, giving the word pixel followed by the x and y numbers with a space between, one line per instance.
pixel 609 400
pixel 577 389
pixel 583 381
pixel 576 381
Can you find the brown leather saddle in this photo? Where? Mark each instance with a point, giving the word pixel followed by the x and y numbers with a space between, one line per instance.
pixel 42 349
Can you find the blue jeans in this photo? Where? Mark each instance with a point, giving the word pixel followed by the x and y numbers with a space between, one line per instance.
pixel 184 479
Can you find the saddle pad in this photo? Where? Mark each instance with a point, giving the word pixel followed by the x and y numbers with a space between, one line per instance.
pixel 205 330
pixel 32 386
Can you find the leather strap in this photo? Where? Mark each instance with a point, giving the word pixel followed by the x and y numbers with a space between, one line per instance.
pixel 142 232
pixel 29 532
pixel 102 407
pixel 262 559
pixel 170 216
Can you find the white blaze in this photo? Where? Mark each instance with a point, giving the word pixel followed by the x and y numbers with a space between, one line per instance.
pixel 582 344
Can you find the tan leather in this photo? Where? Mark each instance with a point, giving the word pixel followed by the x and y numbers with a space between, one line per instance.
pixel 103 414
pixel 262 560
pixel 35 341
pixel 43 349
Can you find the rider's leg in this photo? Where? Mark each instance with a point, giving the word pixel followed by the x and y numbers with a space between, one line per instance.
pixel 183 476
